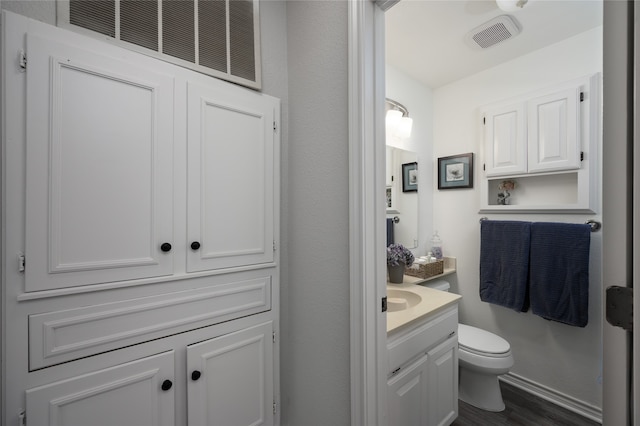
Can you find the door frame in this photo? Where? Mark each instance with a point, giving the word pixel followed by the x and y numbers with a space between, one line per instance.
pixel 366 213
pixel 617 208
pixel 366 159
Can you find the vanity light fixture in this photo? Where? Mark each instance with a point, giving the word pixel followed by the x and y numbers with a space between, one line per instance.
pixel 397 120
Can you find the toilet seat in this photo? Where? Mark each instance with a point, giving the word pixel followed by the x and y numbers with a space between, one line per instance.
pixel 482 342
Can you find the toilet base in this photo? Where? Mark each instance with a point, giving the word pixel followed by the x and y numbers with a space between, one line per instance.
pixel 480 390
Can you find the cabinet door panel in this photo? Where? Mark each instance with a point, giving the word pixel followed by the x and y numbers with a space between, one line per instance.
pixel 443 383
pixel 505 140
pixel 554 132
pixel 407 395
pixel 235 385
pixel 128 394
pixel 99 168
pixel 230 177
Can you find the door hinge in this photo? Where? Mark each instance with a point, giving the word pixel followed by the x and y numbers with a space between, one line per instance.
pixel 273 336
pixel 484 166
pixel 384 304
pixel 274 245
pixel 275 407
pixel 581 96
pixel 619 307
pixel 275 127
pixel 22 262
pixel 22 61
pixel 581 155
pixel 484 120
pixel 22 418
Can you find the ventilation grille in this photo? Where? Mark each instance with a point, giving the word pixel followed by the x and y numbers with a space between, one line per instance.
pixel 493 32
pixel 216 37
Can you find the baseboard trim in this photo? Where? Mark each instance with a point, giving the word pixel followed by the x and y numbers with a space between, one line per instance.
pixel 570 403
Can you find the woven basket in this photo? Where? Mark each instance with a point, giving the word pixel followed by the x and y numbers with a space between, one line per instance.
pixel 426 270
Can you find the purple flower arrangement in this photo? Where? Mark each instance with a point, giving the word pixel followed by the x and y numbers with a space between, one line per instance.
pixel 397 253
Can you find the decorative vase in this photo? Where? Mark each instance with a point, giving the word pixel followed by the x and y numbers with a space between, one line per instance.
pixel 396 273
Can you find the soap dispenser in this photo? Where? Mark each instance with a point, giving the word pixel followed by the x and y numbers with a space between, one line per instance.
pixel 436 246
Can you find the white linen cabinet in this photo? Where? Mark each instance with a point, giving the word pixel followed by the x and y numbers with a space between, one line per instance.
pixel 141 276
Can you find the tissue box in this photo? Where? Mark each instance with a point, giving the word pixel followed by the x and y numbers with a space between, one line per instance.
pixel 425 270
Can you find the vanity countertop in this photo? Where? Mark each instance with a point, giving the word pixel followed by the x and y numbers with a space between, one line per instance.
pixel 432 301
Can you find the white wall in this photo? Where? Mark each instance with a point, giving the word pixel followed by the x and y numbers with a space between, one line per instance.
pixel 418 99
pixel 563 358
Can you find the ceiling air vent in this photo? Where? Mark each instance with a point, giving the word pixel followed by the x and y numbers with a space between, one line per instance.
pixel 493 32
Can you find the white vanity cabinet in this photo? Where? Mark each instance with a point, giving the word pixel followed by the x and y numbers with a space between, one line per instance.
pixel 141 203
pixel 422 388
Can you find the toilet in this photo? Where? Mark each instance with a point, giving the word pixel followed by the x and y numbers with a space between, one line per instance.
pixel 483 356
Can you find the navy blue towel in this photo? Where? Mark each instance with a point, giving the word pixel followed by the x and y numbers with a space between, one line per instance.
pixel 390 237
pixel 504 263
pixel 559 274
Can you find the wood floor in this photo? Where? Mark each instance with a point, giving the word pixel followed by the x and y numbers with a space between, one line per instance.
pixel 523 409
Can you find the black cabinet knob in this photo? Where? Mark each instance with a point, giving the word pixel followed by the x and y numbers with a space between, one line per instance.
pixel 195 375
pixel 195 245
pixel 165 247
pixel 166 385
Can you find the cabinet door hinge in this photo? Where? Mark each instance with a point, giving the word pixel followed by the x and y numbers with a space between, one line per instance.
pixel 581 155
pixel 22 262
pixel 275 127
pixel 22 418
pixel 274 245
pixel 384 304
pixel 581 96
pixel 22 61
pixel 273 336
pixel 275 407
pixel 619 307
pixel 484 166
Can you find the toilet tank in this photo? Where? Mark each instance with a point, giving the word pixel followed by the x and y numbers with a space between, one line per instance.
pixel 437 284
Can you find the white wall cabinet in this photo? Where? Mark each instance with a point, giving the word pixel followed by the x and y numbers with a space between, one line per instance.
pixel 505 140
pixel 547 142
pixel 142 209
pixel 422 388
pixel 100 171
pixel 229 382
pixel 536 135
pixel 231 379
pixel 135 393
pixel 230 178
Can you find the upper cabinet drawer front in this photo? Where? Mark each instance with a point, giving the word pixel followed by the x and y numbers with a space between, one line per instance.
pixel 231 177
pixel 56 337
pixel 422 338
pixel 99 191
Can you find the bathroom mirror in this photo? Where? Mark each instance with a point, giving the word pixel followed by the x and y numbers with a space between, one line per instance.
pixel 402 204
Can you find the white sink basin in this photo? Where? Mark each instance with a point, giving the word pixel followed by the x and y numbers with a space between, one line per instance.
pixel 399 300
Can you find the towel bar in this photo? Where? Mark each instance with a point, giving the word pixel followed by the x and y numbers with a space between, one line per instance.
pixel 595 225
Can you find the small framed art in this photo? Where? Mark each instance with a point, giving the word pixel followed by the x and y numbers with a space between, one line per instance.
pixel 455 171
pixel 409 177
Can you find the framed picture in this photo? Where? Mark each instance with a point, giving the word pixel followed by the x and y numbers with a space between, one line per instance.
pixel 455 171
pixel 409 177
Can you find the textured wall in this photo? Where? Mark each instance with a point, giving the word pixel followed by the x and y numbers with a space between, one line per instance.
pixel 316 368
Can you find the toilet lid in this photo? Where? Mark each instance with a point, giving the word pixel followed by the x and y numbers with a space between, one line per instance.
pixel 478 340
